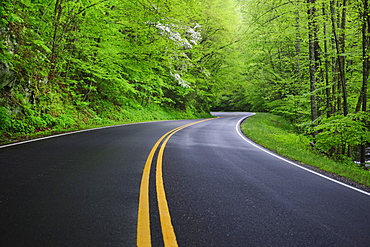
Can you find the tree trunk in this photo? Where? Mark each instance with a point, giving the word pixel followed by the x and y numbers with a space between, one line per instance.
pixel 365 70
pixel 313 45
pixel 340 49
pixel 327 83
pixel 56 22
pixel 298 44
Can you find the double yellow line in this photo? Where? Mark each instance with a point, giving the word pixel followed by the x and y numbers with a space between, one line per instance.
pixel 143 223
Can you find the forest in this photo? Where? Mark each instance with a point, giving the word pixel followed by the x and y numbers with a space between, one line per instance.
pixel 68 63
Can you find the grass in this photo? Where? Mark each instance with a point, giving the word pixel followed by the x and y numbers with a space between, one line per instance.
pixel 277 134
pixel 78 121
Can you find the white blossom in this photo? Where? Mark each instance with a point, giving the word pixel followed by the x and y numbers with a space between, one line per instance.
pixel 195 35
pixel 192 37
pixel 181 81
pixel 171 31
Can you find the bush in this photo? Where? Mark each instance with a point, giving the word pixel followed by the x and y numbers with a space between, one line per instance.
pixel 65 121
pixel 5 119
pixel 37 122
pixel 49 120
pixel 18 126
pixel 338 132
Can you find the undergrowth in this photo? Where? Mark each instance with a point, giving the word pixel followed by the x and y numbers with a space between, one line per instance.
pixel 279 135
pixel 32 124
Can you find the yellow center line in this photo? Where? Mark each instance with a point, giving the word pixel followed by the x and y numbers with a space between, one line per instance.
pixel 143 223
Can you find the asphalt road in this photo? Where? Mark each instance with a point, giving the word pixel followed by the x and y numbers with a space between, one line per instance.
pixel 83 189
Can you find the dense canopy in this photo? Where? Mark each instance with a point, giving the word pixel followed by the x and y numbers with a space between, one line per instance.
pixel 65 62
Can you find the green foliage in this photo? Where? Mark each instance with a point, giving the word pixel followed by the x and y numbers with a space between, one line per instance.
pixel 79 62
pixel 66 64
pixel 306 61
pixel 293 108
pixel 340 131
pixel 20 127
pixel 278 134
pixel 4 11
pixel 5 119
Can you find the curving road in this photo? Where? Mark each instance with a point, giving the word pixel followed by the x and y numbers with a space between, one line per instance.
pixel 104 188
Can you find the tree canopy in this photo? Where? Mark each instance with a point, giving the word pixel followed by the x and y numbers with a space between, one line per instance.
pixel 307 60
pixel 90 56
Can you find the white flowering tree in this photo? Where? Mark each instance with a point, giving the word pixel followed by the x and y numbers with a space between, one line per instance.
pixel 84 57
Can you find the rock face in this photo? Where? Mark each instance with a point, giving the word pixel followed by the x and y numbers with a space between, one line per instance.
pixel 7 47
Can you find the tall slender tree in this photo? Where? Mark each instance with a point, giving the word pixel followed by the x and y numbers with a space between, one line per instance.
pixel 365 69
pixel 313 54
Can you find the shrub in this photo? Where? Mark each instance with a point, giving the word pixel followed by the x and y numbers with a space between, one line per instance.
pixel 18 126
pixel 338 132
pixel 5 119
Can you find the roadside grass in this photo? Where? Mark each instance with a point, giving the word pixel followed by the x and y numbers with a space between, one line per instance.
pixel 278 135
pixel 74 121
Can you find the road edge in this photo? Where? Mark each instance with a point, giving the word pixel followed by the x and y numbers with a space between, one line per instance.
pixel 312 169
pixel 74 132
